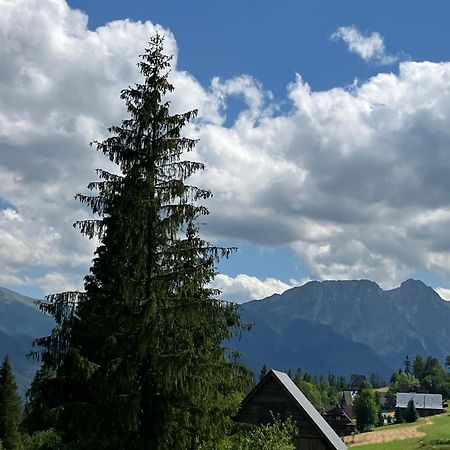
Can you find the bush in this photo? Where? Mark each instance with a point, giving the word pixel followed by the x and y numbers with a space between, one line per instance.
pixel 43 440
pixel 277 435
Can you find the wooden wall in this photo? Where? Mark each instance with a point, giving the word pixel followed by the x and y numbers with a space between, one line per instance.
pixel 272 397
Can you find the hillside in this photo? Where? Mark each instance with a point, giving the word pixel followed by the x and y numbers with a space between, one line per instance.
pixel 20 323
pixel 346 327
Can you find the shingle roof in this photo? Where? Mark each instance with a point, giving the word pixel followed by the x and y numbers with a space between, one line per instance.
pixel 421 401
pixel 338 410
pixel 321 424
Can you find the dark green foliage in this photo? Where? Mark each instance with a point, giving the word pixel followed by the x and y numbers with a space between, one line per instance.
pixel 376 381
pixel 312 393
pixel 403 382
pixel 391 400
pixel 341 383
pixel 407 365
pixel 419 367
pixel 431 376
pixel 320 394
pixel 399 416
pixel 380 421
pixel 37 414
pixel 137 359
pixel 411 414
pixel 10 409
pixel 365 409
pixel 44 440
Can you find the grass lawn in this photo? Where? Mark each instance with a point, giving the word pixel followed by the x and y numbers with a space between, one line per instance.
pixel 437 436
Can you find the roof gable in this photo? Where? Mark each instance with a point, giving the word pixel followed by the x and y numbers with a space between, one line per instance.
pixel 301 402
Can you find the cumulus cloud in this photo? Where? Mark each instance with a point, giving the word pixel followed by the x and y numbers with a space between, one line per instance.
pixel 368 47
pixel 59 89
pixel 355 180
pixel 244 287
pixel 443 293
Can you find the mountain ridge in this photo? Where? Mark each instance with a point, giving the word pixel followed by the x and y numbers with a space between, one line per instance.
pixel 409 319
pixel 21 322
pixel 339 326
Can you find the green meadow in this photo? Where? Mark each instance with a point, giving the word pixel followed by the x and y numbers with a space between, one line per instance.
pixel 437 436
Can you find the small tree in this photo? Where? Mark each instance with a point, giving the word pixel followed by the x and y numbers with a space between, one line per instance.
pixel 365 409
pixel 10 408
pixel 411 412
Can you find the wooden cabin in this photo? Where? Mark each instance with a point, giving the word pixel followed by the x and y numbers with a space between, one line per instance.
pixel 277 394
pixel 338 419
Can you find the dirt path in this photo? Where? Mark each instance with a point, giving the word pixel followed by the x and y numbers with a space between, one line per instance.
pixel 379 436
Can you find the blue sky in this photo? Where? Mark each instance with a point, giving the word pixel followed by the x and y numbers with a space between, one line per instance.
pixel 323 127
pixel 274 40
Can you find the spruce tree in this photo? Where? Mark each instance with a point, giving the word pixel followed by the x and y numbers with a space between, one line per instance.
pixel 138 357
pixel 407 364
pixel 411 414
pixel 10 409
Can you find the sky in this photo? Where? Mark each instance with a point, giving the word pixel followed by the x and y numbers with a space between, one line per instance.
pixel 323 124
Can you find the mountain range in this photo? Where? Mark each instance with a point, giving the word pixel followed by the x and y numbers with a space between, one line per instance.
pixel 340 327
pixel 345 327
pixel 20 323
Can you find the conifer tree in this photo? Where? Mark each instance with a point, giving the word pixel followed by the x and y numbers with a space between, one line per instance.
pixel 407 364
pixel 411 414
pixel 138 357
pixel 10 409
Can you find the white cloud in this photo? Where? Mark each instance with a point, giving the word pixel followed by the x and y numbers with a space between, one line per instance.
pixel 59 89
pixel 369 48
pixel 443 293
pixel 244 287
pixel 58 282
pixel 355 181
